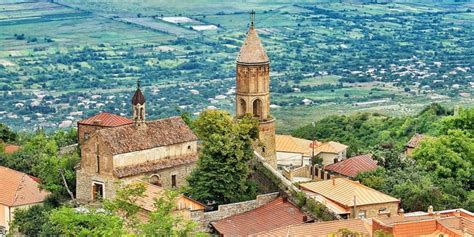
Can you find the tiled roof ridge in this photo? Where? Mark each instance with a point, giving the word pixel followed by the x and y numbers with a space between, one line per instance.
pixel 101 131
pixel 17 190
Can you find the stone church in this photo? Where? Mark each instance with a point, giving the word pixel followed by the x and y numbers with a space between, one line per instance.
pixel 114 148
pixel 253 92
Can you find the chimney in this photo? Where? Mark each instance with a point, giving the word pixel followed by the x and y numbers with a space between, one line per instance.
pixel 285 198
pixel 333 181
pixel 305 218
pixel 430 210
pixel 401 212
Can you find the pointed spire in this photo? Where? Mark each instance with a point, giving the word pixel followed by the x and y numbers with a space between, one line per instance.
pixel 252 50
pixel 252 19
pixel 138 97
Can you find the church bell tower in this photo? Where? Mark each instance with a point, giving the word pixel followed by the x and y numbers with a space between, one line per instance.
pixel 138 107
pixel 253 91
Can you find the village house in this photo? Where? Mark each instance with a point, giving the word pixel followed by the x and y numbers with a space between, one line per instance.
pixel 452 223
pixel 295 152
pixel 413 143
pixel 115 151
pixel 292 151
pixel 351 167
pixel 350 199
pixel 331 152
pixel 184 206
pixel 277 213
pixel 18 191
pixel 10 148
pixel 328 228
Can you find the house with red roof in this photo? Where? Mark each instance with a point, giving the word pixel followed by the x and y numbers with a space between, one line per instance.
pixel 17 191
pixel 413 143
pixel 352 166
pixel 275 214
pixel 10 148
pixel 452 223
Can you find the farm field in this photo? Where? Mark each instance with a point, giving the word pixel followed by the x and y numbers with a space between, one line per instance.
pixel 61 61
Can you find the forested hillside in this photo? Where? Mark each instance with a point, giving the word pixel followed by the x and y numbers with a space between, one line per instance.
pixel 440 172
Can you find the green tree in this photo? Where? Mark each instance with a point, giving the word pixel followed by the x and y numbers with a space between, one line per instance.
pixel 30 221
pixel 84 222
pixel 222 171
pixel 6 134
pixel 163 222
pixel 50 170
pixel 124 204
pixel 448 156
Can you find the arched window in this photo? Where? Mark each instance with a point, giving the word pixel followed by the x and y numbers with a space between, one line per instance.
pixel 257 108
pixel 243 106
pixel 141 113
pixel 155 180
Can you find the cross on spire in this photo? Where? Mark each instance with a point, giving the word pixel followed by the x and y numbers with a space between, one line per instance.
pixel 138 83
pixel 252 18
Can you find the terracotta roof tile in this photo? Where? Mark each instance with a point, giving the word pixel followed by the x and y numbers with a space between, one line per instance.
pixel 151 166
pixel 10 149
pixel 163 132
pixel 321 228
pixel 343 190
pixel 330 147
pixel 106 120
pixel 353 166
pixel 252 50
pixel 275 214
pixel 152 192
pixel 415 140
pixel 18 188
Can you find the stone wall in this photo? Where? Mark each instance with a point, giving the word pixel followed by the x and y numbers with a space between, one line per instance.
pixel 303 171
pixel 85 181
pixel 224 211
pixel 373 210
pixel 181 172
pixel 266 142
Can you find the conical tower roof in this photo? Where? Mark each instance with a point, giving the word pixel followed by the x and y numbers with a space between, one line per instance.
pixel 138 97
pixel 252 50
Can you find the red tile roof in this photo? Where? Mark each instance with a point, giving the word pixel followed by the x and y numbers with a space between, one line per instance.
pixel 278 213
pixel 162 132
pixel 106 120
pixel 17 188
pixel 354 165
pixel 321 228
pixel 10 149
pixel 415 140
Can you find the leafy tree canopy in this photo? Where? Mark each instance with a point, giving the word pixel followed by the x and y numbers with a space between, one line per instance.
pixel 222 171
